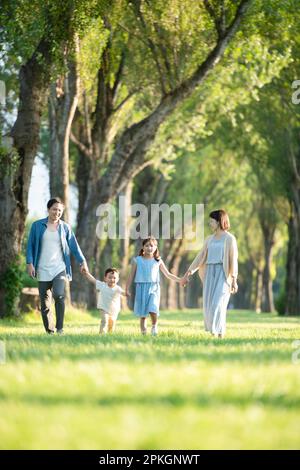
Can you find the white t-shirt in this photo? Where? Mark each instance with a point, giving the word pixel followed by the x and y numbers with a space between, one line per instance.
pixel 109 298
pixel 51 260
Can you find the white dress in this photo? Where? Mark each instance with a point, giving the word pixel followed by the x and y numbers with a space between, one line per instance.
pixel 216 291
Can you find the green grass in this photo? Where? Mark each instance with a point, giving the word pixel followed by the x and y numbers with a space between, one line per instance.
pixel 181 390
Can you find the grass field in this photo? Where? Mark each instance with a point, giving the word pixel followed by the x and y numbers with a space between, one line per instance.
pixel 180 390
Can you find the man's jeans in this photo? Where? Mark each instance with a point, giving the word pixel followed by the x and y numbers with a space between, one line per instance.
pixel 56 287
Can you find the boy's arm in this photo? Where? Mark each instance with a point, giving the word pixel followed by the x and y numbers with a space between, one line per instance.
pixel 123 292
pixel 90 278
pixel 167 273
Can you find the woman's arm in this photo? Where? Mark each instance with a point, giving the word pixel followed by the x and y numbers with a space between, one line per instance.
pixel 167 273
pixel 234 286
pixel 234 265
pixel 197 261
pixel 234 258
pixel 130 279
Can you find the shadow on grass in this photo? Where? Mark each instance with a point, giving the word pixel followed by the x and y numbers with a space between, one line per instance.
pixel 174 399
pixel 167 348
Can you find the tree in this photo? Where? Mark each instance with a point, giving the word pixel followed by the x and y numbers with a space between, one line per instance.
pixel 176 83
pixel 36 33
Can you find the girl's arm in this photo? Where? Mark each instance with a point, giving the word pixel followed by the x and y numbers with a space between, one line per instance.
pixel 130 279
pixel 89 277
pixel 167 273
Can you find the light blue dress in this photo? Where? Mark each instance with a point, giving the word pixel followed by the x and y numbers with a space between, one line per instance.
pixel 147 288
pixel 216 290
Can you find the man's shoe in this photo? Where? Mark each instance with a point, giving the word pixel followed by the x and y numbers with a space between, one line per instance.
pixel 60 332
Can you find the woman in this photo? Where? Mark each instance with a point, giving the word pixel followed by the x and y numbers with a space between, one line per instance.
pixel 218 268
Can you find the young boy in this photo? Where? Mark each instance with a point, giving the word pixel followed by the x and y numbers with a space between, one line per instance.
pixel 109 298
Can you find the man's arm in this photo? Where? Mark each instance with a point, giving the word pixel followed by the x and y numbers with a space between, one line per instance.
pixel 76 251
pixel 29 252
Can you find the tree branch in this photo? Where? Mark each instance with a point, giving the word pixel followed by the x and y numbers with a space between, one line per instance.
pixel 220 22
pixel 152 46
pixel 131 149
pixel 294 163
pixel 118 74
pixel 87 123
pixel 83 148
pixel 124 100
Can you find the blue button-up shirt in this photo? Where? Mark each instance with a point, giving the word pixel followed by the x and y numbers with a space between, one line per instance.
pixel 68 242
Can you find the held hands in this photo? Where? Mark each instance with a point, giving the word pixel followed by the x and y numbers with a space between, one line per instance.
pixel 84 268
pixel 185 279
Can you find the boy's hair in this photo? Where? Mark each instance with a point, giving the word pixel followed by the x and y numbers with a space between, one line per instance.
pixel 54 200
pixel 111 270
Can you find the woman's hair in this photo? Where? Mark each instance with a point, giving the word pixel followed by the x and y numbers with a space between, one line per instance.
pixel 54 200
pixel 111 270
pixel 156 254
pixel 222 217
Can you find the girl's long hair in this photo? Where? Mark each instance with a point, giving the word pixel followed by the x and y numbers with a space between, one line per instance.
pixel 156 254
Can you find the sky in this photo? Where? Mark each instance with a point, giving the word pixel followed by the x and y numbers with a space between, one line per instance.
pixel 39 193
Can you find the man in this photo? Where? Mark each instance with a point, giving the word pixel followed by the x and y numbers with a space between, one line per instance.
pixel 48 258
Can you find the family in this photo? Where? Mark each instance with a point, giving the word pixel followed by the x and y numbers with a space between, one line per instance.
pixel 51 242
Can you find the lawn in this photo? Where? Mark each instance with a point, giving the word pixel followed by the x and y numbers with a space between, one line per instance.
pixel 180 390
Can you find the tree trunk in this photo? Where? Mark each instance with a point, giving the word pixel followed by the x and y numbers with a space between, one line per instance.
pixel 63 100
pixel 194 292
pixel 243 299
pixel 173 294
pixel 124 223
pixel 268 299
pixel 293 259
pixel 258 290
pixel 17 163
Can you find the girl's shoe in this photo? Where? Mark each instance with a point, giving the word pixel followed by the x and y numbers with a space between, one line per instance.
pixel 144 332
pixel 154 330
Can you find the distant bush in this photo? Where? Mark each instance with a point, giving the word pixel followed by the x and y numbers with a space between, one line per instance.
pixel 280 302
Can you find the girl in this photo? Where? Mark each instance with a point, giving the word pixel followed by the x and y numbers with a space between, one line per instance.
pixel 145 272
pixel 218 268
